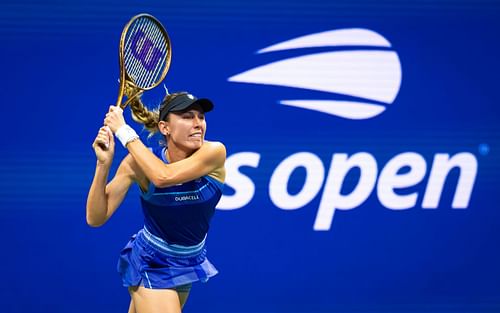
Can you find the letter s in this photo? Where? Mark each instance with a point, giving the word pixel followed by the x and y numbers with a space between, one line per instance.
pixel 242 184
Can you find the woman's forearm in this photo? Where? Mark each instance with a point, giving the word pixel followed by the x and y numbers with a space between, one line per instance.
pixel 97 204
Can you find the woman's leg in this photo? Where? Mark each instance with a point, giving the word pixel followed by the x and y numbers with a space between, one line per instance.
pixel 131 308
pixel 147 300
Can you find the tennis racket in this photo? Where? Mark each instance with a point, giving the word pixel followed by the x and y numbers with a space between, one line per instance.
pixel 144 54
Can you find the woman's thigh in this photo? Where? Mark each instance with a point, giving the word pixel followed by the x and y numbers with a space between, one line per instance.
pixel 147 300
pixel 131 308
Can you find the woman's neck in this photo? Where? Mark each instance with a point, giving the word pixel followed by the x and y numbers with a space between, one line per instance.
pixel 174 154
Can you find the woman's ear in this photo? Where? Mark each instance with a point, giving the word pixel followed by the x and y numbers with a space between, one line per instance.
pixel 163 127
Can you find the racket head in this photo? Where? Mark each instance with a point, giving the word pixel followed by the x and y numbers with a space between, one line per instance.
pixel 145 52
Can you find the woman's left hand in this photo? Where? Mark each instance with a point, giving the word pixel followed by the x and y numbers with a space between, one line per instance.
pixel 114 118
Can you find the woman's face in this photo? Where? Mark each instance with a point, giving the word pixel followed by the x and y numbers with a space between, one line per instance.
pixel 186 129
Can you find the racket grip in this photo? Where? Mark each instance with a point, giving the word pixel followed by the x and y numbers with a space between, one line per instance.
pixel 104 146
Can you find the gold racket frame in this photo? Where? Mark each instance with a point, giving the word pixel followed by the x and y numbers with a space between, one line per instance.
pixel 127 85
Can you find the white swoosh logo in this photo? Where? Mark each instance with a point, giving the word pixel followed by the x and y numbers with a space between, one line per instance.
pixel 369 75
pixel 332 38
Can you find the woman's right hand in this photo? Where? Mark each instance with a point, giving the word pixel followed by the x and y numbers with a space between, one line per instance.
pixel 104 145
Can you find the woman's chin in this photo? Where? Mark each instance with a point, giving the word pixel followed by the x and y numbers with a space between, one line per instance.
pixel 194 143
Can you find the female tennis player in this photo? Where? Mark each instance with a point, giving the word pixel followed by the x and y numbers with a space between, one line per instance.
pixel 180 184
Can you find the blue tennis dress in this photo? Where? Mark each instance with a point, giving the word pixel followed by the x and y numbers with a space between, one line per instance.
pixel 170 250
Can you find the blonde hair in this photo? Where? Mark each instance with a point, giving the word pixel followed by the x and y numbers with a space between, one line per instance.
pixel 150 118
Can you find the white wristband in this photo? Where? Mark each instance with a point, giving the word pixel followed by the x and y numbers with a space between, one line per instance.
pixel 126 134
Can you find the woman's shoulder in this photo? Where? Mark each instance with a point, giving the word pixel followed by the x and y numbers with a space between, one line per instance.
pixel 214 144
pixel 215 147
pixel 218 151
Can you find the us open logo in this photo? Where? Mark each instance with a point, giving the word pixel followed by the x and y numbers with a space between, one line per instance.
pixel 369 77
pixel 367 73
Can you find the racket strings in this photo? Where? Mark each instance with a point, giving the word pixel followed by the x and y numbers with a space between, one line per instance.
pixel 143 29
pixel 130 65
pixel 158 38
pixel 146 49
pixel 133 60
pixel 146 78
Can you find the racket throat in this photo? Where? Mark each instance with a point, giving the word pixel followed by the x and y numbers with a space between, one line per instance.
pixel 130 91
pixel 129 99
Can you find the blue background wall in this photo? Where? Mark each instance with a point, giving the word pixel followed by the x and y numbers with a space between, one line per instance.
pixel 59 74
